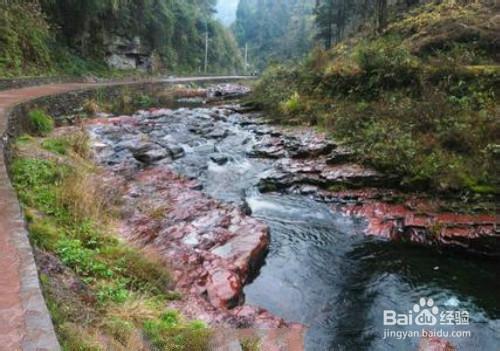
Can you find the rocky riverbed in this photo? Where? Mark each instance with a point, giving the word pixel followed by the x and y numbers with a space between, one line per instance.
pixel 191 179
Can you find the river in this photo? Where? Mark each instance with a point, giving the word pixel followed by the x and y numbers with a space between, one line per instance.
pixel 321 270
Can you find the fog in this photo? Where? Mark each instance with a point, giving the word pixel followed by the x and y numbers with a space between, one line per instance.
pixel 226 11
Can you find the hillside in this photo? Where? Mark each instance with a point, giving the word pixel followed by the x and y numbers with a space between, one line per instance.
pixel 417 100
pixel 45 37
pixel 274 30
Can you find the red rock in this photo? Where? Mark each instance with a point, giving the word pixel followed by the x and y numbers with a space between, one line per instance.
pixel 224 288
pixel 419 221
pixel 435 344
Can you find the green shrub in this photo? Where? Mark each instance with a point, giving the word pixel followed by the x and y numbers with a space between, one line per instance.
pixel 57 145
pixel 292 105
pixel 115 291
pixel 169 332
pixel 41 123
pixel 144 101
pixel 277 84
pixel 24 38
pixel 34 181
pixel 44 234
pixel 143 273
pixel 388 65
pixel 84 261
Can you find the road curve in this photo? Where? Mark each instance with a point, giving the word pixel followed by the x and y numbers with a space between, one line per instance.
pixel 24 320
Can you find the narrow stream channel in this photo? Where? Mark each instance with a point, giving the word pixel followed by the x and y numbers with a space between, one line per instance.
pixel 321 270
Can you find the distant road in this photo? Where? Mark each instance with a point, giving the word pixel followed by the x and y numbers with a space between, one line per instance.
pixel 17 83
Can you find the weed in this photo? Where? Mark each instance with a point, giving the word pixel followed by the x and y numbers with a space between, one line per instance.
pixel 44 234
pixel 115 291
pixel 144 101
pixel 57 145
pixel 251 344
pixel 169 332
pixel 41 123
pixel 292 105
pixel 84 261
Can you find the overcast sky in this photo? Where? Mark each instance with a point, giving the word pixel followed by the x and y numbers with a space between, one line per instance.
pixel 226 11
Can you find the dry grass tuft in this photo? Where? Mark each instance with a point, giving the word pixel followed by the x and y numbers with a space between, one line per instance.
pixel 87 196
pixel 136 310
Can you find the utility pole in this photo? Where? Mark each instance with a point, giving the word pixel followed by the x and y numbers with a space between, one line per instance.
pixel 206 49
pixel 246 58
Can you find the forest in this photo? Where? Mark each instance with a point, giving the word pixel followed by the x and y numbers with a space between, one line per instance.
pixel 424 76
pixel 73 37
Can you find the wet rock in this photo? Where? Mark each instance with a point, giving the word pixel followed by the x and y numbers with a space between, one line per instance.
pixel 224 288
pixel 205 149
pixel 149 153
pixel 289 173
pixel 275 144
pixel 271 151
pixel 210 247
pixel 175 151
pixel 314 148
pixel 435 344
pixel 245 208
pixel 425 225
pixel 229 91
pixel 340 155
pixel 218 134
pixel 219 159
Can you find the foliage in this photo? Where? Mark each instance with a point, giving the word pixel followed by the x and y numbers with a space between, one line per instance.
pixel 23 39
pixel 428 117
pixel 126 290
pixel 41 123
pixel 169 332
pixel 274 30
pixel 251 344
pixel 54 37
pixel 56 145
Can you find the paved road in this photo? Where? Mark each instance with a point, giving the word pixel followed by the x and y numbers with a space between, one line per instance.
pixel 24 321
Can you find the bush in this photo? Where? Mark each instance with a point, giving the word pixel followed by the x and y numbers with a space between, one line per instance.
pixel 426 117
pixel 57 145
pixel 84 261
pixel 169 332
pixel 277 84
pixel 24 38
pixel 34 181
pixel 292 105
pixel 387 64
pixel 41 123
pixel 144 101
pixel 143 273
pixel 44 234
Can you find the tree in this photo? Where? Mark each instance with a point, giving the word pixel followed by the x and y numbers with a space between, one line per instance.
pixel 274 29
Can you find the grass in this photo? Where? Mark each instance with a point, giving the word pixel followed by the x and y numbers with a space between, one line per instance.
pixel 41 123
pixel 56 145
pixel 170 332
pixel 251 344
pixel 67 210
pixel 417 101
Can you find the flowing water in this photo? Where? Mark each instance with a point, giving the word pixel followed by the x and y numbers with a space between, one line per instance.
pixel 321 270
